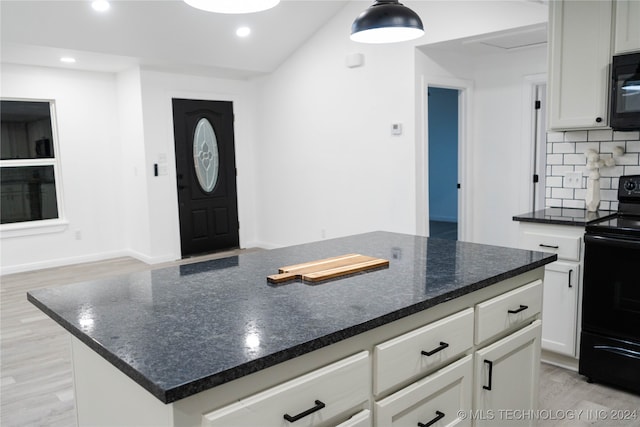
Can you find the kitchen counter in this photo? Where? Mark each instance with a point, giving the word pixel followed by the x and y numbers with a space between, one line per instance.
pixel 178 331
pixel 563 216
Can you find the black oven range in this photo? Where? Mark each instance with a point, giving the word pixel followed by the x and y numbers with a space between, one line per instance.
pixel 610 337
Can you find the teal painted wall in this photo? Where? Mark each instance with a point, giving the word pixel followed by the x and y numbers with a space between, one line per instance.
pixel 443 154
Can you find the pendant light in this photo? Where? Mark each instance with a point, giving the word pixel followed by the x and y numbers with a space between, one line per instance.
pixel 386 21
pixel 233 6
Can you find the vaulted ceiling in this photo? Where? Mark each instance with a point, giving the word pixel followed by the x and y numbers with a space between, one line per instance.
pixel 165 34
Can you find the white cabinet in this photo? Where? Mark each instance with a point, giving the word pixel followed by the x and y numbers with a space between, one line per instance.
pixel 506 378
pixel 559 329
pixel 310 400
pixel 439 399
pixel 627 26
pixel 562 288
pixel 579 56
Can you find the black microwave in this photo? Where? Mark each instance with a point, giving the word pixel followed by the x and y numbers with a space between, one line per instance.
pixel 625 92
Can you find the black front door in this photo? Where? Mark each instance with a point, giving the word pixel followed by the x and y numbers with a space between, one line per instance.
pixel 206 175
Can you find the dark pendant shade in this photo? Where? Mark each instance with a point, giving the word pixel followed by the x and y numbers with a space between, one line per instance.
pixel 386 21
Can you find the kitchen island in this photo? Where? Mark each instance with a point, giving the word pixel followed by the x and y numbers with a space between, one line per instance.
pixel 213 343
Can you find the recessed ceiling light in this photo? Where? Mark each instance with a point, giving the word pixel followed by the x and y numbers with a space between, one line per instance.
pixel 100 5
pixel 233 6
pixel 68 59
pixel 243 31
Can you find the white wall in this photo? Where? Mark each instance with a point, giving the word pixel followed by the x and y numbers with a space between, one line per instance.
pixel 315 154
pixel 328 163
pixel 158 89
pixel 89 152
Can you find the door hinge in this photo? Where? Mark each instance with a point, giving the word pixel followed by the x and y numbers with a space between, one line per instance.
pixel 537 105
pixel 458 185
pixel 536 178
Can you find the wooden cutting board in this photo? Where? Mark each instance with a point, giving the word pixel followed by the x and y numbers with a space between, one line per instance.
pixel 328 268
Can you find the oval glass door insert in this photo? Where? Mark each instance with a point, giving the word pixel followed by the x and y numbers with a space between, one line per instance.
pixel 205 155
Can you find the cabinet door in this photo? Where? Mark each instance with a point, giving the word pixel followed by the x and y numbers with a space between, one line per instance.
pixel 441 399
pixel 506 378
pixel 560 307
pixel 580 53
pixel 627 26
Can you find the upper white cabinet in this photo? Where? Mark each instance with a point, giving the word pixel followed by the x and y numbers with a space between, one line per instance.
pixel 580 34
pixel 627 26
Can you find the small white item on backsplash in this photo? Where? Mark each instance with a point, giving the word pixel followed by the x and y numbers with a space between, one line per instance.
pixel 594 163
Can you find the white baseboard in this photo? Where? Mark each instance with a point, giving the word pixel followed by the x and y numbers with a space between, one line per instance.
pixel 560 360
pixel 60 262
pixel 101 256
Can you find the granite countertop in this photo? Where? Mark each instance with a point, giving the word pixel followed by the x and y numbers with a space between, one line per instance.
pixel 180 330
pixel 564 216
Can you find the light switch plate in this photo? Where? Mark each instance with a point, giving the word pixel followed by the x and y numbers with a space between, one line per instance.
pixel 573 180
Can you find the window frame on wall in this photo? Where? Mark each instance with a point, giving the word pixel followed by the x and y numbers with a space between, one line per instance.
pixel 39 226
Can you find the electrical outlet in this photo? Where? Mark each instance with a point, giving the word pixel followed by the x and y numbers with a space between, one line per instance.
pixel 573 180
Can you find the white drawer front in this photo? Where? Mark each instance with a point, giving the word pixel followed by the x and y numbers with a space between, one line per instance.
pixel 567 247
pixel 339 388
pixel 402 358
pixel 508 310
pixel 361 419
pixel 444 395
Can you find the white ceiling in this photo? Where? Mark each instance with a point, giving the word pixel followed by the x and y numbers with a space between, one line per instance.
pixel 164 34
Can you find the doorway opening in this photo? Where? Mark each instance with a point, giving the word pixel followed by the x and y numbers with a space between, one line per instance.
pixel 443 136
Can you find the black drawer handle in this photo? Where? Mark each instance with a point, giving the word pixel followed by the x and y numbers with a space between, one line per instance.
pixel 443 345
pixel 549 246
pixel 518 310
pixel 439 416
pixel 319 405
pixel 490 363
pixel 570 285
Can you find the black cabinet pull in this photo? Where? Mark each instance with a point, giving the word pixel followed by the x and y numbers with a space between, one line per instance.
pixel 293 419
pixel 439 416
pixel 518 310
pixel 490 363
pixel 570 285
pixel 443 345
pixel 542 245
pixel 598 119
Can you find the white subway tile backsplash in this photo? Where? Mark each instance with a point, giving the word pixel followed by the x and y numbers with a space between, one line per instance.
pixel 560 170
pixel 565 153
pixel 615 171
pixel 576 204
pixel 632 170
pixel 555 136
pixel 600 135
pixel 562 193
pixel 579 135
pixel 564 147
pixel 554 181
pixel 625 136
pixel 582 147
pixel 574 159
pixel 555 159
pixel 633 147
pixel 630 159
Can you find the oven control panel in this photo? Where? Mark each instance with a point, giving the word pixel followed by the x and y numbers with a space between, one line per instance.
pixel 629 188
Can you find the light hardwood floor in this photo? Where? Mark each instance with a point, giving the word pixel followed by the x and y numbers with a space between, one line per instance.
pixel 35 359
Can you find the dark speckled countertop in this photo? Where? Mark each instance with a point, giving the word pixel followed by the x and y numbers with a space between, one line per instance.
pixel 564 216
pixel 181 330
